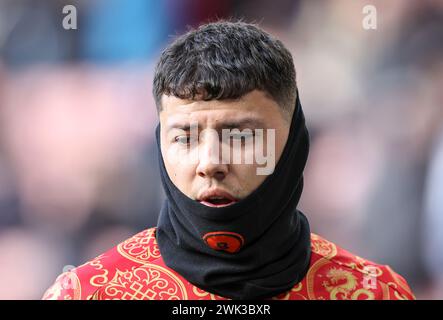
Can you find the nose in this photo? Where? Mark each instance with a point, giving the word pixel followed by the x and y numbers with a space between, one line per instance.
pixel 209 159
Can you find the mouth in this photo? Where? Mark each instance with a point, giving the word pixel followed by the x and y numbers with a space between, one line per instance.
pixel 217 202
pixel 216 198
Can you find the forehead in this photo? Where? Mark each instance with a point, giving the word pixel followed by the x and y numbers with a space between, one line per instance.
pixel 253 108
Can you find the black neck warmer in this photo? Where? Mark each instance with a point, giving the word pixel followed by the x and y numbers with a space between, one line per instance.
pixel 270 236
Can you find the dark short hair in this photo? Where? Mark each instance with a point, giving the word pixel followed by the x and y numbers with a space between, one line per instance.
pixel 226 60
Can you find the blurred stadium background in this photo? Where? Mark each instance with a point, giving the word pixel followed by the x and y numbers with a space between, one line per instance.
pixel 78 170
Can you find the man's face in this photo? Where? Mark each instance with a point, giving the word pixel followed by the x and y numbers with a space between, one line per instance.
pixel 200 162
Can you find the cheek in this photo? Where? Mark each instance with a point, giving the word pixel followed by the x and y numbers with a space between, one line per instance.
pixel 279 146
pixel 247 177
pixel 256 180
pixel 182 177
pixel 180 172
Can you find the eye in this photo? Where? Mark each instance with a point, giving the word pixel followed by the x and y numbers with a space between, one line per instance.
pixel 240 135
pixel 183 140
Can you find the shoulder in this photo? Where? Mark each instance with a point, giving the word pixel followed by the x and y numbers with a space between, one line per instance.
pixel 335 273
pixel 83 281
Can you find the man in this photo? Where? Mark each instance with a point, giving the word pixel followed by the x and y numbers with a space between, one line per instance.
pixel 233 146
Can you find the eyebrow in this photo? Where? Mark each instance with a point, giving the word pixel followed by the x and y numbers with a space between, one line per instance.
pixel 224 124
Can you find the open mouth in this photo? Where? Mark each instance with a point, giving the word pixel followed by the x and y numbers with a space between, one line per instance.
pixel 217 201
pixel 216 198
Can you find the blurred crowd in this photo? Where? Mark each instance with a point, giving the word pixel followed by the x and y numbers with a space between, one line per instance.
pixel 78 163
